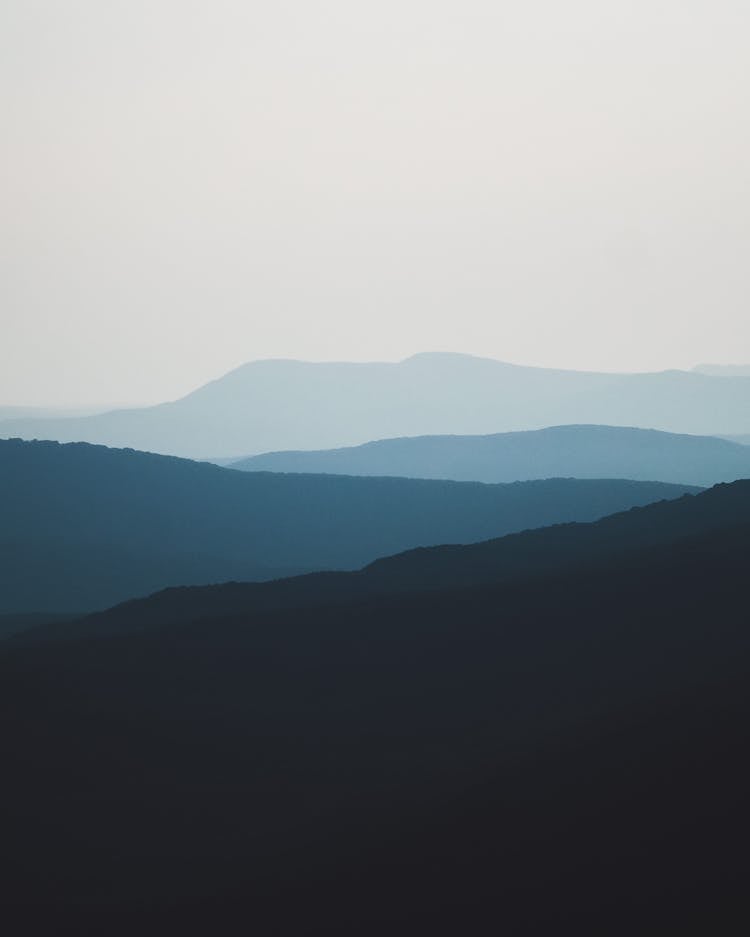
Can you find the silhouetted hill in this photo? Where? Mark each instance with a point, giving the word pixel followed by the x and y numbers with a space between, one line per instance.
pixel 84 527
pixel 278 405
pixel 562 752
pixel 558 549
pixel 556 452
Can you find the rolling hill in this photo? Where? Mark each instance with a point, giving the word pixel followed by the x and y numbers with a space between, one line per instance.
pixel 279 405
pixel 85 526
pixel 425 762
pixel 555 452
pixel 557 550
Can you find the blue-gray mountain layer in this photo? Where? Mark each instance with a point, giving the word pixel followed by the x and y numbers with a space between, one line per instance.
pixel 679 527
pixel 724 370
pixel 556 452
pixel 273 405
pixel 84 526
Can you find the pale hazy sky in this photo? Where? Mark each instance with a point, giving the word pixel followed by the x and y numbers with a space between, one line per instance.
pixel 190 185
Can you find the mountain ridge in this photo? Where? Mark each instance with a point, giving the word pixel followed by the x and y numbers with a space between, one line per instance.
pixel 285 404
pixel 85 526
pixel 557 550
pixel 579 451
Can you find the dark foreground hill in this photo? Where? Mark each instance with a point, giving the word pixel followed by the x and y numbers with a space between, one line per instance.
pixel 277 405
pixel 556 452
pixel 562 752
pixel 84 527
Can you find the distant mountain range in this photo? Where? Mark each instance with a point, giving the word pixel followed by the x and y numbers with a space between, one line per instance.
pixel 85 526
pixel 542 734
pixel 556 452
pixel 279 405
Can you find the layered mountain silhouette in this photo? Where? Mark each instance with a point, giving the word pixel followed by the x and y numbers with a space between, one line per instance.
pixel 278 405
pixel 542 734
pixel 556 452
pixel 559 550
pixel 85 526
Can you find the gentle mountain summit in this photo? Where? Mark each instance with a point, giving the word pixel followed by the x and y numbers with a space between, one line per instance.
pixel 85 526
pixel 556 452
pixel 277 405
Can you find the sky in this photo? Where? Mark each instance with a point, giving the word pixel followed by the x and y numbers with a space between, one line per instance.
pixel 191 185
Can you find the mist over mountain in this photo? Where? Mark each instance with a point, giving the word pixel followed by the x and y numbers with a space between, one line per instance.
pixel 303 637
pixel 23 413
pixel 409 762
pixel 556 452
pixel 85 526
pixel 278 405
pixel 724 370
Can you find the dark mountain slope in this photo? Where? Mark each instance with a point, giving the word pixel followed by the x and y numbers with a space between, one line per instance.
pixel 556 452
pixel 84 527
pixel 565 754
pixel 275 405
pixel 15 624
pixel 557 550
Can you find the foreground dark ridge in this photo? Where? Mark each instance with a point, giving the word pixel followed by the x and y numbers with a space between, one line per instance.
pixel 84 527
pixel 274 405
pixel 555 452
pixel 557 753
